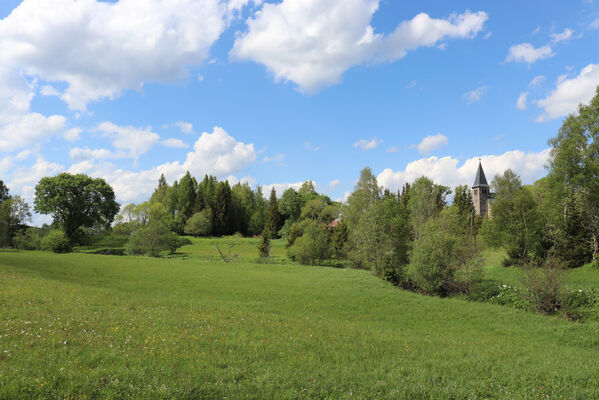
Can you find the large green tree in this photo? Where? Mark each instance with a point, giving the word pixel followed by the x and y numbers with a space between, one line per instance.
pixel 76 202
pixel 366 192
pixel 574 166
pixel 426 200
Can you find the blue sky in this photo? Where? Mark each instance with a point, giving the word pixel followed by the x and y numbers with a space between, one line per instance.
pixel 277 92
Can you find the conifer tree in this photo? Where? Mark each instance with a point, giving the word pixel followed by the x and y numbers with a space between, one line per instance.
pixel 272 215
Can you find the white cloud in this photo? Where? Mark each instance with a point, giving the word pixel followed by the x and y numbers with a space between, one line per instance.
pixel 333 184
pixel 526 52
pixel 312 43
pixel 594 24
pixel 89 154
pixel 175 143
pixel 22 130
pixel 72 134
pixel 48 90
pixel 475 95
pixel 135 141
pixel 392 149
pixel 100 49
pixel 447 171
pixel 368 144
pixel 185 127
pixel 431 143
pixel 569 93
pixel 521 103
pixel 537 80
pixel 276 158
pixel 565 36
pixel 24 179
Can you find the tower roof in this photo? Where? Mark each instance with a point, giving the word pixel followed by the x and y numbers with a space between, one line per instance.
pixel 480 180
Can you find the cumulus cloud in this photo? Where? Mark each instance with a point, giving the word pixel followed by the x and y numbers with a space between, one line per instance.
pixel 100 49
pixel 565 36
pixel 569 93
pixel 22 130
pixel 215 153
pixel 526 52
pixel 475 95
pixel 431 143
pixel 448 171
pixel 368 144
pixel 134 141
pixel 312 43
pixel 521 103
pixel 89 154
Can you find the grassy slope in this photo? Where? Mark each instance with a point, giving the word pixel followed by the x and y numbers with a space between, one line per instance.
pixel 106 326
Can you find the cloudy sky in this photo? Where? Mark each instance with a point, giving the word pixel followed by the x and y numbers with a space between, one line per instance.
pixel 277 92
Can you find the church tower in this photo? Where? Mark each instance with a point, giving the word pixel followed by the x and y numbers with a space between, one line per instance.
pixel 480 193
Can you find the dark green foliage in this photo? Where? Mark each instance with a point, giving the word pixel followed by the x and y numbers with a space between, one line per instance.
pixel 29 239
pixel 4 193
pixel 76 202
pixel 272 215
pixel 339 238
pixel 265 245
pixel 221 213
pixel 57 242
pixel 174 242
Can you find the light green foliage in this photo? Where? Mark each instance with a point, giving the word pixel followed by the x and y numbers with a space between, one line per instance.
pixel 57 242
pixel 426 200
pixel 29 239
pixel 574 169
pixel 379 241
pixel 143 328
pixel 76 202
pixel 290 205
pixel 320 210
pixel 445 259
pixel 14 214
pixel 313 246
pixel 151 239
pixel 366 192
pixel 516 222
pixel 200 224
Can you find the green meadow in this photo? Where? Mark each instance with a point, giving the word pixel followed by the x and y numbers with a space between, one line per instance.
pixel 88 326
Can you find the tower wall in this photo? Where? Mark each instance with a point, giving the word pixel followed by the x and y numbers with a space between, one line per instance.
pixel 480 198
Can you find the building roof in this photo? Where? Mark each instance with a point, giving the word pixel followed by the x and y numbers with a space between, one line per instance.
pixel 480 180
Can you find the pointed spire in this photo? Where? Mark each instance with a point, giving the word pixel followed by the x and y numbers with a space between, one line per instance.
pixel 480 180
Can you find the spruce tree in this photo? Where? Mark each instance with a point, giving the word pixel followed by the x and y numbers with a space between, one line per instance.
pixel 272 216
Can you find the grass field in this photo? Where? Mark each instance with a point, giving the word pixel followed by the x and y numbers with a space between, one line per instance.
pixel 94 326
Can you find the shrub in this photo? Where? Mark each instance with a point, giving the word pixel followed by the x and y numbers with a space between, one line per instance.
pixel 581 305
pixel 200 223
pixel 265 245
pixel 56 241
pixel 544 285
pixel 29 239
pixel 313 246
pixel 445 260
pixel 151 240
pixel 174 242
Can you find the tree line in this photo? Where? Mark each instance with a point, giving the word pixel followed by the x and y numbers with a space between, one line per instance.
pixel 412 237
